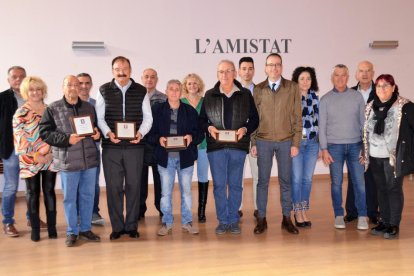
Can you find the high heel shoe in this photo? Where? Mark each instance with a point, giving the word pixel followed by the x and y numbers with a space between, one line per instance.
pixel 299 224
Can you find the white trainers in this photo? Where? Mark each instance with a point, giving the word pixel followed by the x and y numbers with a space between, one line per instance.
pixel 339 222
pixel 362 223
pixel 164 230
pixel 188 227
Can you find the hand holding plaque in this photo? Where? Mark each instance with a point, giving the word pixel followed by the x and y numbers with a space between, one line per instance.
pixel 82 125
pixel 125 130
pixel 175 143
pixel 227 136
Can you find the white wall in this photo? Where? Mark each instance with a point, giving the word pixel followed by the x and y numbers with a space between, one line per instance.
pixel 162 34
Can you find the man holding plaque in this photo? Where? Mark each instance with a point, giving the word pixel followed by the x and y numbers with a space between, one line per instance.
pixel 176 134
pixel 228 116
pixel 124 117
pixel 69 125
pixel 278 102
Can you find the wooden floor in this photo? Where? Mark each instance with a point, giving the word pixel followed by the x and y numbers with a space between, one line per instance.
pixel 321 250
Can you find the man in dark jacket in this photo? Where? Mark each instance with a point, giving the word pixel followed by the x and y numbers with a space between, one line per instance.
pixel 364 75
pixel 228 108
pixel 120 100
pixel 9 102
pixel 76 158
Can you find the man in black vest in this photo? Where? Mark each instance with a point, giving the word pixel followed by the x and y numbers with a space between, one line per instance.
pixel 123 99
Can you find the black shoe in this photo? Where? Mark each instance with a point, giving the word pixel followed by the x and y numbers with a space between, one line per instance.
pixel 71 240
pixel 380 229
pixel 51 230
pixel 308 223
pixel 256 214
pixel 240 213
pixel 133 234
pixel 89 236
pixel 288 225
pixel 299 224
pixel 115 235
pixel 392 232
pixel 348 218
pixel 35 235
pixel 374 220
pixel 261 226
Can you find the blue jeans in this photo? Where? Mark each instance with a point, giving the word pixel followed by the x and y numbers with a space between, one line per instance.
pixel 303 166
pixel 11 183
pixel 265 152
pixel 185 177
pixel 348 153
pixel 227 171
pixel 78 186
pixel 202 166
pixel 97 187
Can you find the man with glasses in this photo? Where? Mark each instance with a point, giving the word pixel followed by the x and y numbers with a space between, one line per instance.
pixel 123 100
pixel 364 75
pixel 228 116
pixel 278 102
pixel 341 121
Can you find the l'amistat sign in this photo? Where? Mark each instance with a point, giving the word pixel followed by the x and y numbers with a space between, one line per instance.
pixel 242 45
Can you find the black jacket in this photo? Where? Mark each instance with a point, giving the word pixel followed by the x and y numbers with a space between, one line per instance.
pixel 371 94
pixel 55 129
pixel 8 106
pixel 243 114
pixel 186 124
pixel 405 143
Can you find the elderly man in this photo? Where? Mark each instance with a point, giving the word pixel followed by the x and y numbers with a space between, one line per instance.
pixel 75 157
pixel 85 86
pixel 10 100
pixel 123 100
pixel 246 74
pixel 341 120
pixel 364 75
pixel 278 102
pixel 149 79
pixel 228 108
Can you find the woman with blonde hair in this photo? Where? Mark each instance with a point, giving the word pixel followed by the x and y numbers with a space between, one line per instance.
pixel 35 157
pixel 192 94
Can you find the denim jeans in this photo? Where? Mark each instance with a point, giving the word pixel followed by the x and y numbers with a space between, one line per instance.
pixel 185 177
pixel 303 166
pixel 78 186
pixel 97 187
pixel 202 166
pixel 265 152
pixel 227 171
pixel 348 153
pixel 11 183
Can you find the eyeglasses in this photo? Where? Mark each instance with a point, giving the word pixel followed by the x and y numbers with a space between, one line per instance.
pixel 228 71
pixel 277 65
pixel 384 86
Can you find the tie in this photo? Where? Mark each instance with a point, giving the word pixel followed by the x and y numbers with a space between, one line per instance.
pixel 273 87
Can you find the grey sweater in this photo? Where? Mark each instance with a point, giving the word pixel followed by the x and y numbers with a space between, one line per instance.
pixel 341 117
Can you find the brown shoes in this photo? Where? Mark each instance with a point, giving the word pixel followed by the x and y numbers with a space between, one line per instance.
pixel 43 225
pixel 10 230
pixel 288 225
pixel 261 226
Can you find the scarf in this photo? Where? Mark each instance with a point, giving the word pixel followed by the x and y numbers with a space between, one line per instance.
pixel 381 111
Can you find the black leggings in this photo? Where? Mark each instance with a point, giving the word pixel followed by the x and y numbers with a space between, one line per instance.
pixel 47 180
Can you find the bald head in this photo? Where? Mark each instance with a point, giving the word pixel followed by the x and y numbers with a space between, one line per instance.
pixel 71 89
pixel 149 79
pixel 364 74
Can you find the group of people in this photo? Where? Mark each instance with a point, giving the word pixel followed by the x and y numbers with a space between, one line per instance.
pixel 370 127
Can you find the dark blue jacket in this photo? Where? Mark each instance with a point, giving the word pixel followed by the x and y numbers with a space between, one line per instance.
pixel 186 124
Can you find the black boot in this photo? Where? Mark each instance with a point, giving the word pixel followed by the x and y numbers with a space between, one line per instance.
pixel 35 222
pixel 51 224
pixel 202 201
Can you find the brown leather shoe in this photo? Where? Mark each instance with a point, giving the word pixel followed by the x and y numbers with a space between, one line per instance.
pixel 288 225
pixel 261 226
pixel 43 225
pixel 10 230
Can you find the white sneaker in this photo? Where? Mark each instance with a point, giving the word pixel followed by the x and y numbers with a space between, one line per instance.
pixel 362 223
pixel 339 222
pixel 164 230
pixel 97 219
pixel 190 228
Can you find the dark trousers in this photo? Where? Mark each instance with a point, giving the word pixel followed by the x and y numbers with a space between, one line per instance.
pixel 370 193
pixel 390 191
pixel 123 164
pixel 144 189
pixel 46 180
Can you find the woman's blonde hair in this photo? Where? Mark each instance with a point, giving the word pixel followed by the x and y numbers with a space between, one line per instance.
pixel 198 79
pixel 32 80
